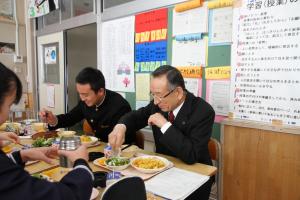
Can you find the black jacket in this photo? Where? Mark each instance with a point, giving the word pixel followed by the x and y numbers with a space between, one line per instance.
pixel 16 183
pixel 187 138
pixel 102 120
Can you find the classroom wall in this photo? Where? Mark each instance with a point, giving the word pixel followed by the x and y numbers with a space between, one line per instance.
pixel 217 55
pixel 8 34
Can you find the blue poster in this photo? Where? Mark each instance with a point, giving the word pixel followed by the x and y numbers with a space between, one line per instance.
pixel 151 51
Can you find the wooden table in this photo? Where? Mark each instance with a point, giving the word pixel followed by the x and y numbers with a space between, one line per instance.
pixel 42 166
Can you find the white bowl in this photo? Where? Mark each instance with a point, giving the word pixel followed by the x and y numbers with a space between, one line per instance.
pixel 16 125
pixel 66 133
pixel 149 170
pixel 92 141
pixel 119 167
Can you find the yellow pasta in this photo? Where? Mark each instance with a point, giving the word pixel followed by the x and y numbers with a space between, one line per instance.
pixel 149 163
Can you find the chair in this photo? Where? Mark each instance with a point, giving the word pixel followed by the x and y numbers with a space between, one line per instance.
pixel 139 139
pixel 214 148
pixel 87 129
pixel 132 188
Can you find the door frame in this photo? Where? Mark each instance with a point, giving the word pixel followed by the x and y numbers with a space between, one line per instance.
pixel 60 89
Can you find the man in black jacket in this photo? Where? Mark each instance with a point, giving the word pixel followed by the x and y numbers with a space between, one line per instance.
pixel 181 123
pixel 101 108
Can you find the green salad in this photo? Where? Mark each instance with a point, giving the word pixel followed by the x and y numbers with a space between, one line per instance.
pixel 42 142
pixel 43 177
pixel 117 161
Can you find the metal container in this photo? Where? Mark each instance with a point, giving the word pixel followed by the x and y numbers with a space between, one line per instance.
pixel 68 144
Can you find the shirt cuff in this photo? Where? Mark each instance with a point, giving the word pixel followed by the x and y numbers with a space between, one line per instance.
pixel 165 127
pixel 16 158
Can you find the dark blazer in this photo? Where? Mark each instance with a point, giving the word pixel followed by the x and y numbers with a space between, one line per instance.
pixel 102 119
pixel 16 184
pixel 187 138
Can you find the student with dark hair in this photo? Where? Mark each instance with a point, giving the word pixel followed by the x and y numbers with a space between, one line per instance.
pixel 16 183
pixel 101 108
pixel 181 123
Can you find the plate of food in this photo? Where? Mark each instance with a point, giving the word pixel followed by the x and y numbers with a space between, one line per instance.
pixel 100 162
pixel 7 149
pixel 117 163
pixel 88 140
pixel 42 142
pixel 149 164
pixel 43 177
pixel 66 133
pixel 10 127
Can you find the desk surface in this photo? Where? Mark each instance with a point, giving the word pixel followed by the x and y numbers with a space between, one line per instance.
pixel 198 167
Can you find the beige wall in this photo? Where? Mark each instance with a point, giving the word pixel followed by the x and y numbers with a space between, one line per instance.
pixel 8 34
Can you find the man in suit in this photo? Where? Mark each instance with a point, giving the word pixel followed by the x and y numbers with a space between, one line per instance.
pixel 181 123
pixel 102 108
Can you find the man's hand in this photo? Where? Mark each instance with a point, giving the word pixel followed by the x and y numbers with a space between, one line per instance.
pixel 48 117
pixel 9 136
pixel 157 119
pixel 117 137
pixel 45 154
pixel 80 152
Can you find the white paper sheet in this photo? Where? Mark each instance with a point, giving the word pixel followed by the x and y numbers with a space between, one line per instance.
pixel 189 53
pixel 192 85
pixel 118 54
pixel 185 182
pixel 221 25
pixel 190 21
pixel 51 96
pixel 218 93
pixel 142 86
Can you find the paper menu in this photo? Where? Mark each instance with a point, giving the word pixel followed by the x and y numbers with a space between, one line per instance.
pixel 185 182
pixel 220 30
pixel 218 95
pixel 189 53
pixel 190 21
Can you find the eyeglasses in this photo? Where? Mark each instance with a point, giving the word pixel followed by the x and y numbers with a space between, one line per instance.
pixel 163 97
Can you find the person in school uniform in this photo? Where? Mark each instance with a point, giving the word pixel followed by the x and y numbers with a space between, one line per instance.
pixel 181 123
pixel 102 108
pixel 16 183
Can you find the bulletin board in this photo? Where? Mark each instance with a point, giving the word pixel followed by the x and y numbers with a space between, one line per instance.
pixel 215 57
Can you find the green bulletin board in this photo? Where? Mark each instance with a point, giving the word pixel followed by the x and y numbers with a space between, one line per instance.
pixel 217 56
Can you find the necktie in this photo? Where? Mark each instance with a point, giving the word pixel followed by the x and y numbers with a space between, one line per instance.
pixel 171 117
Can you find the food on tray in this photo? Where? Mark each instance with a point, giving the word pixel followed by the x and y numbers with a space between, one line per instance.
pixel 101 161
pixel 7 149
pixel 39 126
pixel 148 163
pixel 66 133
pixel 42 176
pixel 42 142
pixel 117 161
pixel 85 138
